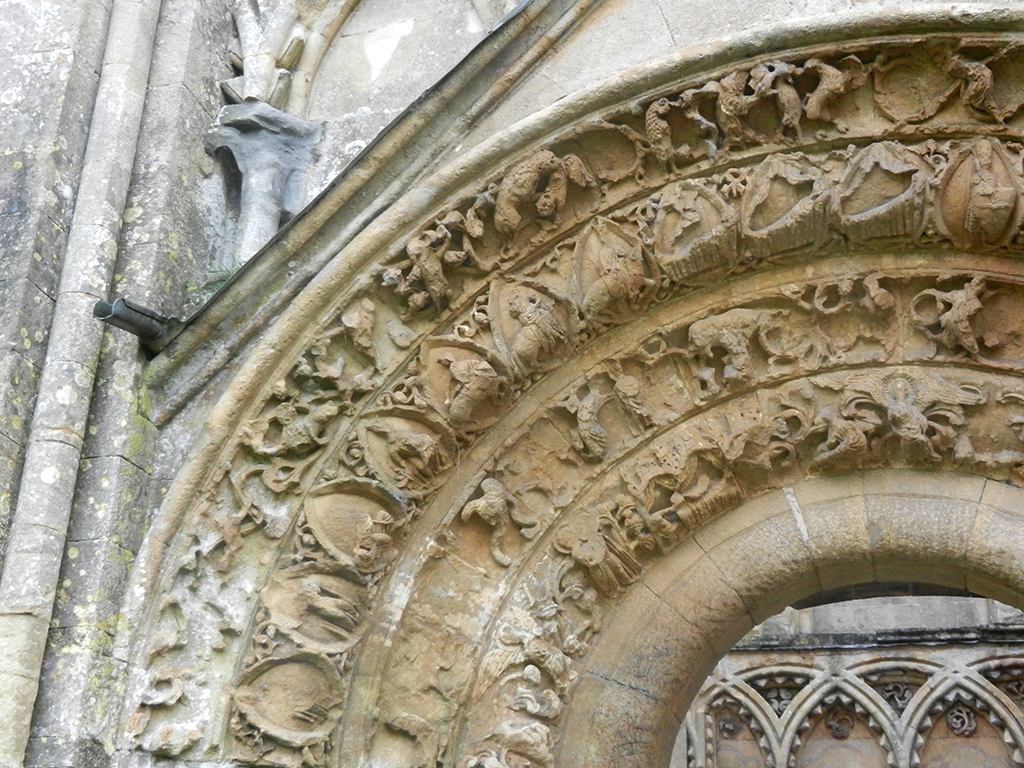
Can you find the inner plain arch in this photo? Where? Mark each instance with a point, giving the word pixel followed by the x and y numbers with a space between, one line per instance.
pixel 659 644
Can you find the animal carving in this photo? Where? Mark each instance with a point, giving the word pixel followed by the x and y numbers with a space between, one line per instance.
pixel 732 333
pixel 540 332
pixel 775 79
pixel 473 381
pixel 541 181
pixel 415 456
pixel 495 508
pixel 833 82
pixel 612 258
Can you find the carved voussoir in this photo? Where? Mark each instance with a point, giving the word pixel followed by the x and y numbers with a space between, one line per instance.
pixel 410 448
pixel 610 270
pixel 695 231
pixel 354 521
pixel 882 193
pixel 496 507
pixel 532 325
pixel 466 382
pixel 286 710
pixel 980 205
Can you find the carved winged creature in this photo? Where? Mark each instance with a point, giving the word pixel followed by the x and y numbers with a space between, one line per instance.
pixel 659 134
pixel 954 310
pixel 921 409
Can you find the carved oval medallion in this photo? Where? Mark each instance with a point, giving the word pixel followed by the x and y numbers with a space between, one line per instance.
pixel 910 89
pixel 296 701
pixel 694 231
pixel 317 609
pixel 784 207
pixel 464 381
pixel 880 195
pixel 532 328
pixel 980 199
pixel 608 268
pixel 353 522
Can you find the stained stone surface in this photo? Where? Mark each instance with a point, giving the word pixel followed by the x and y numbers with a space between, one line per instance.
pixel 48 71
pixel 647 321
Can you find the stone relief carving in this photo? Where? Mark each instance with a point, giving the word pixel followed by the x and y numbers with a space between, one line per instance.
pixel 839 723
pixel 916 413
pixel 775 97
pixel 410 453
pixel 979 205
pixel 531 326
pixel 496 507
pixel 386 447
pixel 598 543
pixel 834 81
pixel 589 439
pixel 537 187
pixel 467 383
pixel 945 316
pixel 961 720
pixel 922 411
pixel 721 345
pixel 291 704
pixel 532 698
pixel 610 270
pixel 422 279
pixel 882 192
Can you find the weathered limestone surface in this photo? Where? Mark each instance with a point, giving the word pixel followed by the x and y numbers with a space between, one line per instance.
pixel 48 71
pixel 648 320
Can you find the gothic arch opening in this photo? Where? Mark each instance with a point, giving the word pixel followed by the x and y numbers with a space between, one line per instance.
pixel 897 680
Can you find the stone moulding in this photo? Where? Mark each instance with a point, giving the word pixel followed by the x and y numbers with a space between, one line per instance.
pixel 552 343
pixel 203 350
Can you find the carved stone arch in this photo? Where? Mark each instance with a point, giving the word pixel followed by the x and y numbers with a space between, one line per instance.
pixel 765 725
pixel 900 703
pixel 494 614
pixel 758 527
pixel 851 693
pixel 757 681
pixel 1002 672
pixel 693 740
pixel 950 688
pixel 749 710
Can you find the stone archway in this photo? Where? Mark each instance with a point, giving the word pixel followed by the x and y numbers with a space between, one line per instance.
pixel 452 466
pixel 950 530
